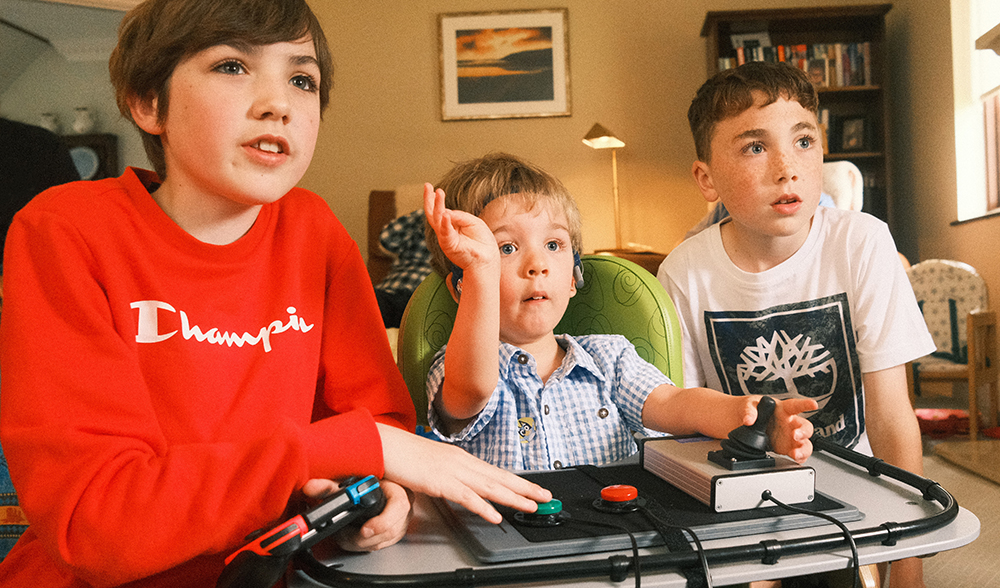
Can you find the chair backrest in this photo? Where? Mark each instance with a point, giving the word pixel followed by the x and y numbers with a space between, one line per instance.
pixel 618 297
pixel 843 181
pixel 947 291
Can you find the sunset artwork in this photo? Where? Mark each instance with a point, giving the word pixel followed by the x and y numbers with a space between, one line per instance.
pixel 504 65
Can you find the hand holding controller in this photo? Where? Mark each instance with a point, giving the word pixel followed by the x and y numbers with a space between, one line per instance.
pixel 261 562
pixel 747 446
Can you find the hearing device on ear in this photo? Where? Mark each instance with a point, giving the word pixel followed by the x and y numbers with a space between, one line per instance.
pixel 456 279
pixel 577 269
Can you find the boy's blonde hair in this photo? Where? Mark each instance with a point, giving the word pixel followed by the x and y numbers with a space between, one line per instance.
pixel 157 35
pixel 471 185
pixel 731 91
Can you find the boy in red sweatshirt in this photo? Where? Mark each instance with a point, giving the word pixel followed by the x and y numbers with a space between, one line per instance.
pixel 186 351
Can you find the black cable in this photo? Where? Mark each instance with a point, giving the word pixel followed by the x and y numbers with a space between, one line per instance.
pixel 631 536
pixel 855 560
pixel 694 538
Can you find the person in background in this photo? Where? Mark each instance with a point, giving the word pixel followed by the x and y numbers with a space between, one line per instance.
pixel 404 239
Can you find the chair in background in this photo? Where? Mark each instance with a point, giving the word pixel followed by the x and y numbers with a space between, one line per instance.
pixel 618 297
pixel 843 181
pixel 954 301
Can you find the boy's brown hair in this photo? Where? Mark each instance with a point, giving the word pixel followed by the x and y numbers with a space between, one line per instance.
pixel 471 185
pixel 157 35
pixel 731 91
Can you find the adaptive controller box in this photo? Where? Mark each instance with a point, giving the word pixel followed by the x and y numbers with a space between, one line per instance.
pixel 688 464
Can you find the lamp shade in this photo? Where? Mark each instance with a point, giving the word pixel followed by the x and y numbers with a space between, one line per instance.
pixel 601 138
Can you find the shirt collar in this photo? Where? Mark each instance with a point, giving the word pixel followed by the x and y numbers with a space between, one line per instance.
pixel 576 357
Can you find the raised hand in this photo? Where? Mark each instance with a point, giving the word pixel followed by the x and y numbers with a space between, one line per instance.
pixel 464 238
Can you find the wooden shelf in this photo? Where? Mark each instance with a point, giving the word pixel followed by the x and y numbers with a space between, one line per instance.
pixel 827 25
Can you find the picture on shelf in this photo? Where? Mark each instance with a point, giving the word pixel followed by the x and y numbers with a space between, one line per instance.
pixel 852 134
pixel 508 64
pixel 817 71
pixel 750 40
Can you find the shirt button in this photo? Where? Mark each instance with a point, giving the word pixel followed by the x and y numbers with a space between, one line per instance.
pixel 603 413
pixel 557 464
pixel 546 409
pixel 522 359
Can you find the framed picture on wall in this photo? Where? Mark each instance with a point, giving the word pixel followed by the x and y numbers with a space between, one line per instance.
pixel 510 64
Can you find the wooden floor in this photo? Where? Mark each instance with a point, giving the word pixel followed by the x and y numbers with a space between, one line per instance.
pixel 981 457
pixel 976 565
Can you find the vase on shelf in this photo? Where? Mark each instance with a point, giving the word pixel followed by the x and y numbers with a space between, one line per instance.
pixel 49 121
pixel 84 121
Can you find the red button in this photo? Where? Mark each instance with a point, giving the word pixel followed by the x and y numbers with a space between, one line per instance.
pixel 619 493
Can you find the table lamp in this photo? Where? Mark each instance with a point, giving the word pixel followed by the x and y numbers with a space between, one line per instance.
pixel 601 138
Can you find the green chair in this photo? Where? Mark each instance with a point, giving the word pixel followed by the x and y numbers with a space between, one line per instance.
pixel 618 297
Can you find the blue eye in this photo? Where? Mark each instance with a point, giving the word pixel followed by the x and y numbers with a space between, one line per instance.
pixel 755 148
pixel 507 249
pixel 806 142
pixel 552 245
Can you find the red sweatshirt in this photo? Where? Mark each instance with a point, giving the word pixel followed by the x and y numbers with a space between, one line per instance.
pixel 162 397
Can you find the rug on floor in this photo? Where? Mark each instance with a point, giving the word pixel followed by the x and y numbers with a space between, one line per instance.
pixel 980 457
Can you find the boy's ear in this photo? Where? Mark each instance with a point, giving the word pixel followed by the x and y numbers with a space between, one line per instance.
pixel 703 177
pixel 451 287
pixel 145 113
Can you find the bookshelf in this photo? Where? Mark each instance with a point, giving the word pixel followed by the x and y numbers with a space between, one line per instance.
pixel 857 106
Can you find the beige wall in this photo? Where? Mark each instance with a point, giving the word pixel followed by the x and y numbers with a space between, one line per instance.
pixel 924 136
pixel 634 67
pixel 632 70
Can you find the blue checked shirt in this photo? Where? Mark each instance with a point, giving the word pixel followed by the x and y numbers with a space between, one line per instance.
pixel 404 238
pixel 584 414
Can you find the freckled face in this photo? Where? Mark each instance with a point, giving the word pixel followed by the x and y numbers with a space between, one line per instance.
pixel 242 121
pixel 767 168
pixel 536 267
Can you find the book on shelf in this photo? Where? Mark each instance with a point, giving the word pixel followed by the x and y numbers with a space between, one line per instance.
pixel 828 65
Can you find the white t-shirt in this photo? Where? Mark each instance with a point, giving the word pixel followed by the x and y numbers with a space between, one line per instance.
pixel 839 307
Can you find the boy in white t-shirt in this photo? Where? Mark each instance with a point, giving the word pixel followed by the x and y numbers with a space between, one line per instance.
pixel 787 298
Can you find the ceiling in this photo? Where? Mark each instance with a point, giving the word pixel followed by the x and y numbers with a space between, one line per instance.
pixel 78 33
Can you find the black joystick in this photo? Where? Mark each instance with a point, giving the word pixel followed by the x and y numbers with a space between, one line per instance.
pixel 746 446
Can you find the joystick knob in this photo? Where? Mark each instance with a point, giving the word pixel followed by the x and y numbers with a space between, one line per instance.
pixel 747 445
pixel 751 442
pixel 619 498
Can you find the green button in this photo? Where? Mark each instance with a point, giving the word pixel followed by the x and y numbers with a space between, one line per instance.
pixel 551 507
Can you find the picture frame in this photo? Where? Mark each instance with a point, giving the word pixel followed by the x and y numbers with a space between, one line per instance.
pixel 852 134
pixel 504 64
pixel 750 40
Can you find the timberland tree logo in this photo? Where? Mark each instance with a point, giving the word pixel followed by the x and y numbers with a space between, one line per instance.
pixel 784 358
pixel 804 349
pixel 148 330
